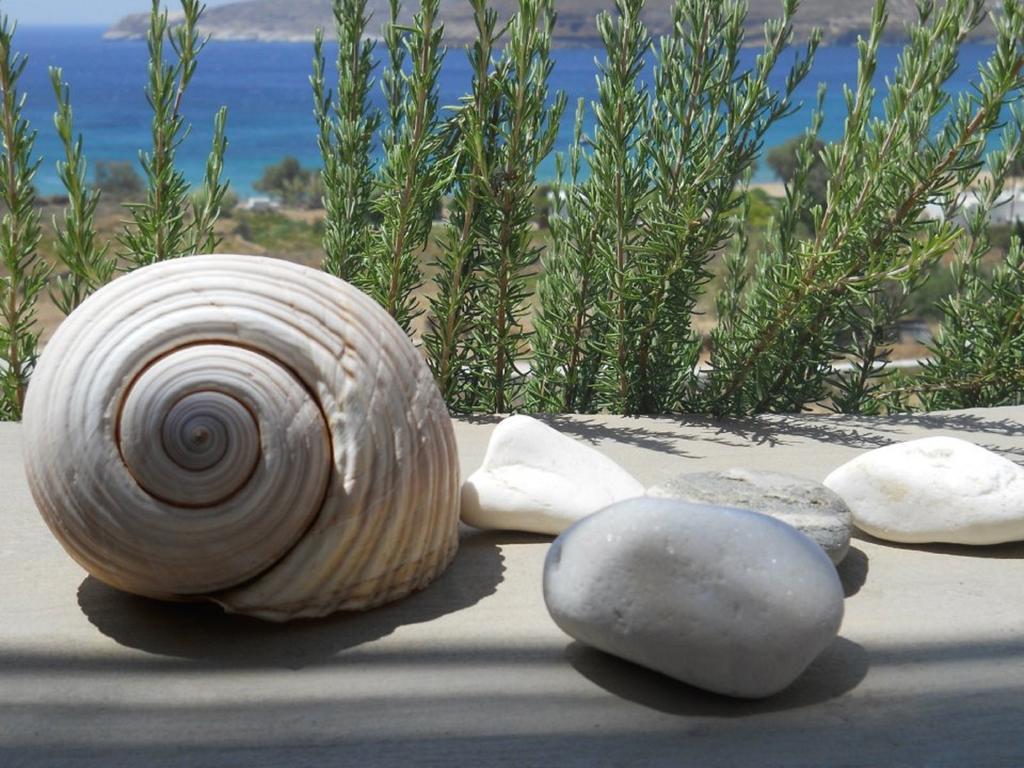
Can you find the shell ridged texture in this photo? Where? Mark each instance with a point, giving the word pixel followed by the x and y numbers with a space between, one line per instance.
pixel 247 431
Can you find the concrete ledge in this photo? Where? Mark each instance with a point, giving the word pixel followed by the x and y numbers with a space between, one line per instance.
pixel 928 671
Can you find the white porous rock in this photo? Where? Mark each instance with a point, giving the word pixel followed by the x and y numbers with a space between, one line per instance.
pixel 245 431
pixel 536 479
pixel 938 489
pixel 723 599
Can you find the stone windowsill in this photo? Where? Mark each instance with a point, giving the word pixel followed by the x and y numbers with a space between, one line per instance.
pixel 928 669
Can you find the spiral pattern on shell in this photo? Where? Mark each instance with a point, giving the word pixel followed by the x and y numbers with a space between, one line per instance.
pixel 247 431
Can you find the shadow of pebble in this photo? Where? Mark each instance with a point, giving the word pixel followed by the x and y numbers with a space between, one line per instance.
pixel 1013 550
pixel 839 669
pixel 853 571
pixel 202 632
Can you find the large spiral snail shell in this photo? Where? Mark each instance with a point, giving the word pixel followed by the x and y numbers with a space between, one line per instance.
pixel 247 431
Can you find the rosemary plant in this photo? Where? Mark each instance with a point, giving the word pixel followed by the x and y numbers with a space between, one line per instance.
pixel 415 169
pixel 978 357
pixel 869 237
pixel 456 308
pixel 706 131
pixel 170 223
pixel 380 218
pixel 525 134
pixel 25 274
pixel 208 200
pixel 89 264
pixel 346 128
pixel 658 203
pixel 566 356
pixel 608 204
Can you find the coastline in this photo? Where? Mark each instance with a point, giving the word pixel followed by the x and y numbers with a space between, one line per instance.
pixel 846 39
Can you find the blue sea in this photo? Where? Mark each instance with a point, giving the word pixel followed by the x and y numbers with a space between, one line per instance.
pixel 266 89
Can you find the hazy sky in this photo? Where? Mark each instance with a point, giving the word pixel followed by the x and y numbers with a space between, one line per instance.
pixel 78 11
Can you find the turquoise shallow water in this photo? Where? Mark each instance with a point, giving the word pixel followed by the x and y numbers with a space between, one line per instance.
pixel 266 89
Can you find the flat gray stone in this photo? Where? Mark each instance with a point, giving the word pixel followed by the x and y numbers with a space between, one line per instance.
pixel 808 506
pixel 722 599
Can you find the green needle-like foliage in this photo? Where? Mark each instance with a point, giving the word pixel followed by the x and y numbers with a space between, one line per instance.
pixel 380 216
pixel 170 224
pixel 566 355
pixel 869 237
pixel 345 131
pixel 25 274
pixel 977 360
pixel 456 308
pixel 602 241
pixel 415 169
pixel 504 129
pixel 89 264
pixel 526 129
pixel 618 190
pixel 208 200
pixel 653 189
pixel 706 132
pixel 630 251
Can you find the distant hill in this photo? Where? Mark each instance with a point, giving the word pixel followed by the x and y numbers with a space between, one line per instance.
pixel 295 21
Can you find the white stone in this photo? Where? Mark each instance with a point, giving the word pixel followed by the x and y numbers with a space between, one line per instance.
pixel 939 489
pixel 536 479
pixel 723 599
